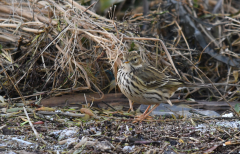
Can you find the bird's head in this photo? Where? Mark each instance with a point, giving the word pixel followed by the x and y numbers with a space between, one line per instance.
pixel 132 60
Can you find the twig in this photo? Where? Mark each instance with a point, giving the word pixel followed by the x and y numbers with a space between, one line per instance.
pixel 34 130
pixel 1 127
pixel 211 83
pixel 109 105
pixel 14 85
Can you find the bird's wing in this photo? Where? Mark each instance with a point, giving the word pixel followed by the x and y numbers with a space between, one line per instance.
pixel 150 77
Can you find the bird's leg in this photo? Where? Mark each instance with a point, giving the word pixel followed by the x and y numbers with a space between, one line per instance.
pixel 145 114
pixel 155 106
pixel 142 115
pixel 131 105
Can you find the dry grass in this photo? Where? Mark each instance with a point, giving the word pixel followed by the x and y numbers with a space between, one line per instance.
pixel 58 47
pixel 54 48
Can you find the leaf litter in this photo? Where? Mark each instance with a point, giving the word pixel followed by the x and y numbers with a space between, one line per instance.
pixel 51 48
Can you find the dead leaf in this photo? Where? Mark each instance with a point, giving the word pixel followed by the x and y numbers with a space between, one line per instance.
pixel 45 109
pixel 87 111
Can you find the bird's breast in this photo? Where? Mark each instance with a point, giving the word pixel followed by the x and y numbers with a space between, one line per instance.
pixel 135 92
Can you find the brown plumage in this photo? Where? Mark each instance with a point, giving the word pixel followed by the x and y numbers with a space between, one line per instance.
pixel 144 84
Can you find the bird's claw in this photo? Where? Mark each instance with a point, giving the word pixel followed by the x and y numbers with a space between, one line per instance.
pixel 140 118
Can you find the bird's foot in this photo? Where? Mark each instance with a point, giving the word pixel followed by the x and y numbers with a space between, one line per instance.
pixel 141 117
pixel 145 115
pixel 130 110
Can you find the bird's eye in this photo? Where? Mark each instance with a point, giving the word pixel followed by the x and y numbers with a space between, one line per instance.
pixel 135 59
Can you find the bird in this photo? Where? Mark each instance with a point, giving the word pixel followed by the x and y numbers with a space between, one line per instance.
pixel 144 84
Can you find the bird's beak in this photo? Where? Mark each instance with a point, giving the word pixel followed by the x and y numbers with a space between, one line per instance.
pixel 125 61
